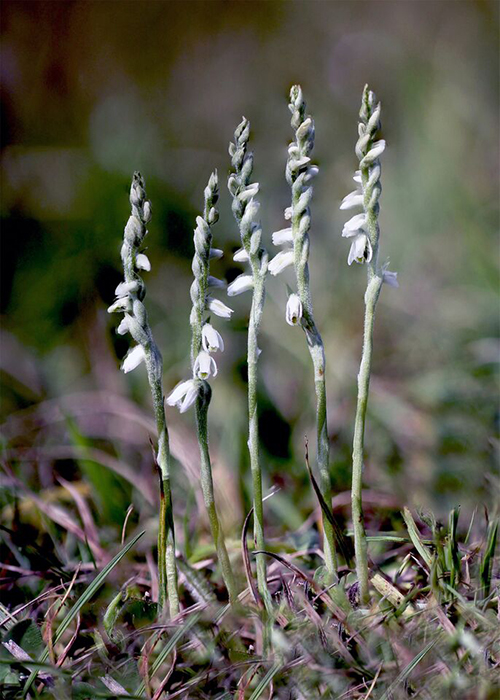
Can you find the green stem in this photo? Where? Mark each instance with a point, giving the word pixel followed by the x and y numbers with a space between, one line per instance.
pixel 374 285
pixel 167 569
pixel 207 486
pixel 360 546
pixel 253 431
pixel 317 353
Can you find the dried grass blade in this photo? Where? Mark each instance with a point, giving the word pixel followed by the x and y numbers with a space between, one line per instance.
pixel 84 598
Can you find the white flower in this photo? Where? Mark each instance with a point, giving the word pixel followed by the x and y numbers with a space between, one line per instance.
pixel 390 278
pixel 357 177
pixel 146 211
pixel 361 249
pixel 121 304
pixel 353 226
pixel 375 151
pixel 311 173
pixel 204 366
pixel 282 236
pixel 183 396
pixel 133 359
pixel 281 261
pixel 353 199
pixel 125 287
pixel 215 282
pixel 288 213
pixel 133 228
pixel 293 312
pixel 123 327
pixel 215 253
pixel 241 255
pixel 219 308
pixel 211 339
pixel 142 262
pixel 241 284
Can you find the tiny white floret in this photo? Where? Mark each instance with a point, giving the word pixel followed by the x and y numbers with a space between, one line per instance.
pixel 293 312
pixel 241 255
pixel 211 339
pixel 280 262
pixel 204 366
pixel 241 284
pixel 282 236
pixel 361 249
pixel 391 278
pixel 121 304
pixel 123 327
pixel 125 287
pixel 219 308
pixel 353 226
pixel 353 199
pixel 215 282
pixel 133 359
pixel 183 396
pixel 142 262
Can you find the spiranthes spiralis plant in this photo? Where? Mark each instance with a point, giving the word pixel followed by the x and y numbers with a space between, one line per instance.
pixel 205 340
pixel 299 309
pixel 129 300
pixel 246 209
pixel 363 229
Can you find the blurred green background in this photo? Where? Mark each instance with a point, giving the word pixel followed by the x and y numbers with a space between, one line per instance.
pixel 92 91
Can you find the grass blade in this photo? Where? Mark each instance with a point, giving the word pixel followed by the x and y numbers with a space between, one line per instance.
pixel 168 648
pixel 84 598
pixel 266 680
pixel 343 544
pixel 388 695
pixel 487 560
pixel 415 537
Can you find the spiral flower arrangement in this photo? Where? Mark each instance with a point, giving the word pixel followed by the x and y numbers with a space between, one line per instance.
pixel 299 309
pixel 363 228
pixel 205 340
pixel 246 209
pixel 129 300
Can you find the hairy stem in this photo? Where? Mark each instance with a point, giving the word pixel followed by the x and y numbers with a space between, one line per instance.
pixel 207 486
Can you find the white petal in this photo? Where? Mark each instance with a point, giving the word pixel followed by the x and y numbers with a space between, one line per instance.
pixel 178 392
pixel 211 339
pixel 204 366
pixel 293 312
pixel 125 287
pixel 282 236
pixel 361 250
pixel 357 177
pixel 133 359
pixel 352 227
pixel 391 278
pixel 251 213
pixel 216 283
pixel 281 261
pixel 241 284
pixel 142 262
pixel 189 398
pixel 219 308
pixel 215 253
pixel 288 213
pixel 121 304
pixel 375 151
pixel 123 327
pixel 353 199
pixel 311 173
pixel 241 255
pixel 299 163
